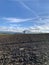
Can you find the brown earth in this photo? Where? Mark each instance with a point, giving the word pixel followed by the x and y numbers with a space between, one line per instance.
pixel 34 48
pixel 23 38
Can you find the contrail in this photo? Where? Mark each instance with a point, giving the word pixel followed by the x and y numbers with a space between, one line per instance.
pixel 28 8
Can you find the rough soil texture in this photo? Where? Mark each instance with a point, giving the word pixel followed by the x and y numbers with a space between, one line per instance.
pixel 23 38
pixel 24 49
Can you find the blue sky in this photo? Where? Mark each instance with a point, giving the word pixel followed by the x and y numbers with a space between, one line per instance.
pixel 19 15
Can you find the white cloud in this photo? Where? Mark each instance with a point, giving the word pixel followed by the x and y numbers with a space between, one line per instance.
pixel 16 19
pixel 33 29
pixel 40 29
pixel 11 29
pixel 41 20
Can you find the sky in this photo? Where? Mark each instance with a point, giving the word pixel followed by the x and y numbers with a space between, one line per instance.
pixel 20 15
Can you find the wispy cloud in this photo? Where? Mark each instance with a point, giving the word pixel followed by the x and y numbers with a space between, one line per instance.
pixel 11 29
pixel 16 19
pixel 40 28
pixel 31 29
pixel 43 20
